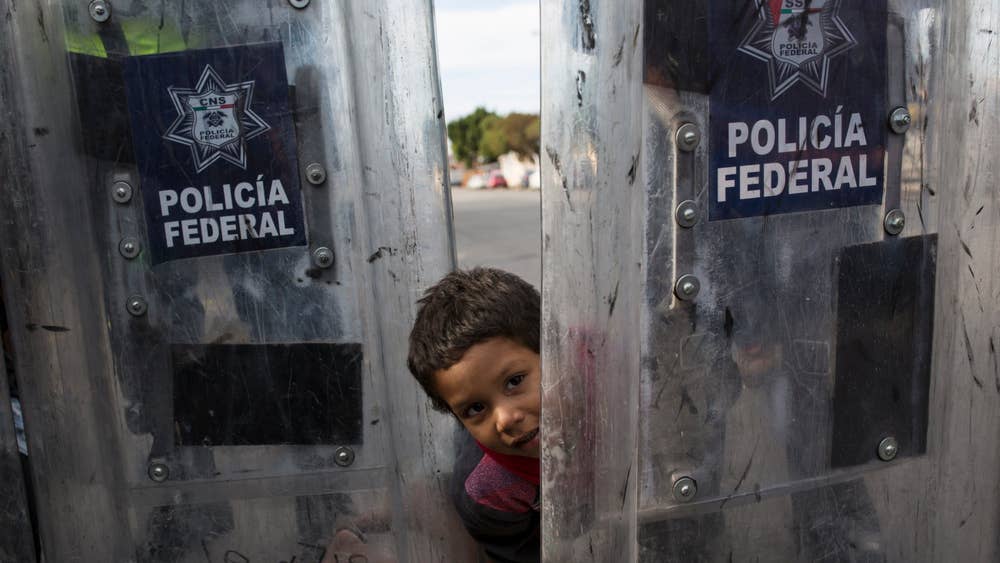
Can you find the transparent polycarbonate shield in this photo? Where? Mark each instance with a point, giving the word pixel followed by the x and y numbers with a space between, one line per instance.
pixel 772 215
pixel 218 219
pixel 806 337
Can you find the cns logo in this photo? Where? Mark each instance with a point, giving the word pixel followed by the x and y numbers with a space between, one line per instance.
pixel 215 120
pixel 798 39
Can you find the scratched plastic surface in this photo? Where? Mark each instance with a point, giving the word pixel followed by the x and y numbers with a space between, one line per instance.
pixel 247 375
pixel 815 334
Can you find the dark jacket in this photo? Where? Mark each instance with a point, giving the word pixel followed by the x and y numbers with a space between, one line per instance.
pixel 499 509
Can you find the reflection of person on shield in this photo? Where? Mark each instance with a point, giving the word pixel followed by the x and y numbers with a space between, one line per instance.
pixel 755 349
pixel 778 430
pixel 757 423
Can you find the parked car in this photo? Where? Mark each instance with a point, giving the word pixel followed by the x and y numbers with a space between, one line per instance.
pixel 496 180
pixel 476 181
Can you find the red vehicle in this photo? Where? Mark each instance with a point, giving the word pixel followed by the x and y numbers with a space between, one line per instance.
pixel 496 180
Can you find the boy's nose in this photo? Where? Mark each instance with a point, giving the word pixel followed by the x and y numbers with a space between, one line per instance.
pixel 508 418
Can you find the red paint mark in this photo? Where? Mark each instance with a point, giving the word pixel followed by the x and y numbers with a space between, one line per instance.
pixel 776 10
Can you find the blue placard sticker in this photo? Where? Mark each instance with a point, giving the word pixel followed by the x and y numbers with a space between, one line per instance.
pixel 798 105
pixel 215 146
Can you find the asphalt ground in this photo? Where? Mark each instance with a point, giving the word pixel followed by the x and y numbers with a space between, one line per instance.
pixel 501 228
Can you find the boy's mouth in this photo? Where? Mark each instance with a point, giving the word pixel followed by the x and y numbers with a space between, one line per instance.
pixel 525 438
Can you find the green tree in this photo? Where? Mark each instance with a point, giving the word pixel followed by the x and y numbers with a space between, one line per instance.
pixel 523 133
pixel 466 134
pixel 493 141
pixel 485 135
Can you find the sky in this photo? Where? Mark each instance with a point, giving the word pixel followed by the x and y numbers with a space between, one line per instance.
pixel 488 55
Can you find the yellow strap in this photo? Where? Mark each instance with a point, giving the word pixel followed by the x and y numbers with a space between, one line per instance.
pixel 143 38
pixel 146 38
pixel 85 44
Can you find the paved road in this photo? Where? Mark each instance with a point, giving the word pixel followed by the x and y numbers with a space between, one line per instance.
pixel 499 228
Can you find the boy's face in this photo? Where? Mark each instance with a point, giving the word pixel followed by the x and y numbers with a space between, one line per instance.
pixel 495 390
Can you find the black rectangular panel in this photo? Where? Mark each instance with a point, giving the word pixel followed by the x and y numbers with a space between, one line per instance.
pixel 247 394
pixel 99 84
pixel 885 321
pixel 675 43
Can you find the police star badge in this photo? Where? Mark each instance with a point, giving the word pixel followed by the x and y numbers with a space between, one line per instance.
pixel 215 119
pixel 798 39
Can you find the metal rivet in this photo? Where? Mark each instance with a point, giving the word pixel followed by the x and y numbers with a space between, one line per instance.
pixel 299 3
pixel 686 214
pixel 344 456
pixel 121 192
pixel 315 174
pixel 687 287
pixel 688 137
pixel 894 222
pixel 129 247
pixel 323 257
pixel 685 489
pixel 888 449
pixel 100 11
pixel 136 306
pixel 899 120
pixel 158 472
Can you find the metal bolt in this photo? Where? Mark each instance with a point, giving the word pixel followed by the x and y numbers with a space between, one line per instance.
pixel 100 11
pixel 894 222
pixel 899 120
pixel 888 448
pixel 299 3
pixel 158 472
pixel 688 137
pixel 121 192
pixel 686 214
pixel 129 247
pixel 344 456
pixel 685 489
pixel 315 174
pixel 323 257
pixel 687 287
pixel 136 306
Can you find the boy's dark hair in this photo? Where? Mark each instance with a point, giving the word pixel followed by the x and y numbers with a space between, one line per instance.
pixel 464 309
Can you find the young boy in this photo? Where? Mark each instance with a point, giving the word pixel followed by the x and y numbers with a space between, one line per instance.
pixel 474 349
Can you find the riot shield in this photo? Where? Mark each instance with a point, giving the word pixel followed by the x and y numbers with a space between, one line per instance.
pixel 217 220
pixel 769 283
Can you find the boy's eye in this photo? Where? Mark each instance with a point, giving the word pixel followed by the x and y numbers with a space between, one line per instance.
pixel 474 409
pixel 515 381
